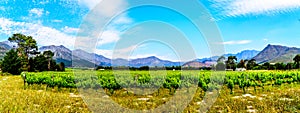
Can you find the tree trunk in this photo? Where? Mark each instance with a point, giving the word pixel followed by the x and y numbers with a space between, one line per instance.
pixel 49 65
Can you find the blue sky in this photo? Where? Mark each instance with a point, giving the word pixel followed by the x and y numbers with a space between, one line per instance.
pixel 243 24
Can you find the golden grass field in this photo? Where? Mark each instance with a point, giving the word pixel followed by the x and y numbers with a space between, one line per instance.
pixel 15 97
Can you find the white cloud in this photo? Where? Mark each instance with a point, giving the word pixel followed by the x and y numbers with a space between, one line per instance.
pixel 108 36
pixel 239 42
pixel 44 2
pixel 113 31
pixel 57 21
pixel 67 29
pixel 36 11
pixel 105 53
pixel 42 34
pixel 47 12
pixel 2 8
pixel 89 3
pixel 108 7
pixel 95 20
pixel 122 19
pixel 124 52
pixel 255 7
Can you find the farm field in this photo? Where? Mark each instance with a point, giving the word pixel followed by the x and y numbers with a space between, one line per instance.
pixel 16 99
pixel 252 91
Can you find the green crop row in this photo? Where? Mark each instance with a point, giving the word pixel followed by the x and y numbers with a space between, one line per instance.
pixel 207 81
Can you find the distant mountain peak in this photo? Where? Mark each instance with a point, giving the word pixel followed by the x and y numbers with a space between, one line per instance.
pixel 79 50
pixel 60 52
pixel 277 53
pixel 246 54
pixel 54 46
pixel 271 53
pixel 152 57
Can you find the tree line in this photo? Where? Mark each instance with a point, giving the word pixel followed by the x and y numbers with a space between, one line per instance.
pixel 26 57
pixel 231 63
pixel 145 68
pixel 223 63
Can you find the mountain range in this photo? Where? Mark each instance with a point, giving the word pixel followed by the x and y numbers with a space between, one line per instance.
pixel 4 47
pixel 246 54
pixel 81 58
pixel 207 62
pixel 277 53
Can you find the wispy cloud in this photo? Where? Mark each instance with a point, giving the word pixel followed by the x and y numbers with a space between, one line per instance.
pixel 44 2
pixel 255 7
pixel 89 3
pixel 70 30
pixel 51 36
pixel 239 42
pixel 57 21
pixel 109 36
pixel 91 26
pixel 2 8
pixel 37 12
pixel 42 34
pixel 107 10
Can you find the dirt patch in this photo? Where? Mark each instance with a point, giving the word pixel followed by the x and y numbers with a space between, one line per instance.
pixel 143 99
pixel 249 95
pixel 72 95
pixel 105 96
pixel 286 99
pixel 251 110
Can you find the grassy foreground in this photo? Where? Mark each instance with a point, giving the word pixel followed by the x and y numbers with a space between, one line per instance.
pixel 14 98
pixel 36 99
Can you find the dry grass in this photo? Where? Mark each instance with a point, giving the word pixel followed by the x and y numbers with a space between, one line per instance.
pixel 14 98
pixel 279 99
pixel 36 99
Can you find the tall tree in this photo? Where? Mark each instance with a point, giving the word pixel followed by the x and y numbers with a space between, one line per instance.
pixel 26 45
pixel 280 66
pixel 266 65
pixel 220 64
pixel 48 55
pixel 251 63
pixel 41 63
pixel 31 67
pixel 221 59
pixel 231 62
pixel 297 60
pixel 61 66
pixel 289 66
pixel 11 63
pixel 242 64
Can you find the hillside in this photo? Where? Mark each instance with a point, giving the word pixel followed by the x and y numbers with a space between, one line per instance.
pixel 195 64
pixel 81 58
pixel 63 54
pixel 277 53
pixel 60 52
pixel 4 47
pixel 152 61
pixel 91 57
pixel 246 54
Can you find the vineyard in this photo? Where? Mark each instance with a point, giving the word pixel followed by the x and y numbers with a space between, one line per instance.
pixel 172 80
pixel 269 91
